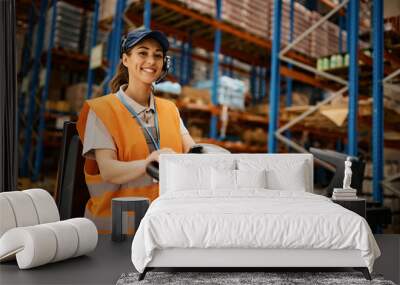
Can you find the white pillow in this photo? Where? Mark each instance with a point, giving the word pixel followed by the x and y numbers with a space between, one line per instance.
pixel 227 179
pixel 251 178
pixel 277 179
pixel 184 177
pixel 223 179
pixel 281 174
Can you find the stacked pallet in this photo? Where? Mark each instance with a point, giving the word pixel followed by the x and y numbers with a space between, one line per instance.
pixel 101 35
pixel 324 40
pixel 302 22
pixel 257 17
pixel 68 25
pixel 205 7
pixel 319 39
pixel 107 8
pixel 231 91
pixel 393 24
pixel 201 70
pixel 254 137
pixel 250 15
pixel 365 16
pixel 334 38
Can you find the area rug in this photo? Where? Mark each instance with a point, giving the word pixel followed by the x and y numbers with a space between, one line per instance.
pixel 229 278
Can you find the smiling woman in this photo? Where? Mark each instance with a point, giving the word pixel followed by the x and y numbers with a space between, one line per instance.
pixel 124 131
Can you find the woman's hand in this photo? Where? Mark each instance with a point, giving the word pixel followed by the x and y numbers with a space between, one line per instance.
pixel 155 155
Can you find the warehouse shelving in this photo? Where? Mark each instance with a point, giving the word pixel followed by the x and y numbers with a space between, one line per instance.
pixel 166 14
pixel 32 90
pixel 352 86
pixel 353 75
pixel 176 19
pixel 234 146
pixel 248 48
pixel 25 64
pixel 194 29
pixel 35 132
pixel 214 110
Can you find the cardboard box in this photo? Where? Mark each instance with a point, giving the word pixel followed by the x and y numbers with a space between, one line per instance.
pixel 194 95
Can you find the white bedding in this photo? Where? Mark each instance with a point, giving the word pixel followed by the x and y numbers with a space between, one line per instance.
pixel 253 218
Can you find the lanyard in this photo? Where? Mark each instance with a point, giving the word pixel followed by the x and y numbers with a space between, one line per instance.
pixel 155 142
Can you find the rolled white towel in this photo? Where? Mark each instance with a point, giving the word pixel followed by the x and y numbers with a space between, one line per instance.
pixel 7 218
pixel 45 205
pixel 33 246
pixel 41 244
pixel 87 235
pixel 66 238
pixel 23 208
pixel 26 208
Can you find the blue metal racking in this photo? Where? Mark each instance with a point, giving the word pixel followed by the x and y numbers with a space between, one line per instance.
pixel 253 83
pixel 353 78
pixel 377 117
pixel 32 156
pixel 217 48
pixel 113 46
pixel 26 58
pixel 352 15
pixel 25 164
pixel 147 14
pixel 43 99
pixel 289 81
pixel 115 39
pixel 184 60
pixel 275 84
pixel 92 45
pixel 274 96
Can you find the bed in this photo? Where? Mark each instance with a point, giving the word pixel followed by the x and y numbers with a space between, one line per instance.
pixel 246 211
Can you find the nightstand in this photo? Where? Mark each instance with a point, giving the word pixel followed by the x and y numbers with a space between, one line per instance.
pixel 358 205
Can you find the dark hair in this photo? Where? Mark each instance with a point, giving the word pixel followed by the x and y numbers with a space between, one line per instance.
pixel 120 78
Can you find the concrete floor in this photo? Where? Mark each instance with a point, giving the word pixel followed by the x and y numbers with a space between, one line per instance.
pixel 389 262
pixel 102 266
pixel 106 264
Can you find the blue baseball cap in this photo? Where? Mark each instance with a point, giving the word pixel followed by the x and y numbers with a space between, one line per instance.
pixel 134 37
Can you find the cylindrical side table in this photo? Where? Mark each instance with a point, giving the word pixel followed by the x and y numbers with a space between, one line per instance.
pixel 122 204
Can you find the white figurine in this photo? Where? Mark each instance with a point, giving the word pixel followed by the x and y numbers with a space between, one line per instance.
pixel 347 174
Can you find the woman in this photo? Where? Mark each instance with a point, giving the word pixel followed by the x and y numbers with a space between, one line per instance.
pixel 125 130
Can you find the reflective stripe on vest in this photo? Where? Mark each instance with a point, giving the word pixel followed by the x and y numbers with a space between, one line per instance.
pixel 100 188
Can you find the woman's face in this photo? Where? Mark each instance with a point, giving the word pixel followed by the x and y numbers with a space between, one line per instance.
pixel 144 61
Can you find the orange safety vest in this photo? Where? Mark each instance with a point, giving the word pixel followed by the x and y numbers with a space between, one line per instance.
pixel 130 145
